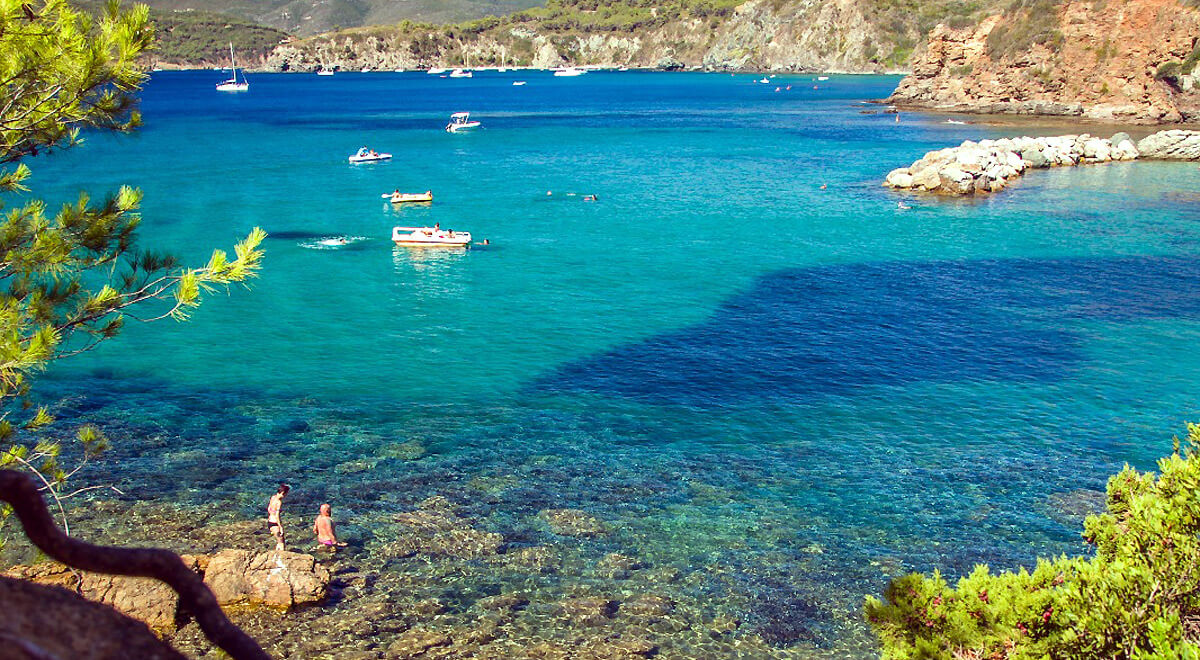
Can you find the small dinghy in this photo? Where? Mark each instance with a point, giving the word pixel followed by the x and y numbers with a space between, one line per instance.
pixel 366 155
pixel 430 237
pixel 408 198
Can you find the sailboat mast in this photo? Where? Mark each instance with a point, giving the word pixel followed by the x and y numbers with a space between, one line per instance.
pixel 232 63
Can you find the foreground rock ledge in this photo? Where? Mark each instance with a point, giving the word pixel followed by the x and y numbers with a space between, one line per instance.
pixel 989 166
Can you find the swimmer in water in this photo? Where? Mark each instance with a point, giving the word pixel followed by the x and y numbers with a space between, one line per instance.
pixel 902 206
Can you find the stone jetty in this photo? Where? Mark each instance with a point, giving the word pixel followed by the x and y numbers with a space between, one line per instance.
pixel 989 166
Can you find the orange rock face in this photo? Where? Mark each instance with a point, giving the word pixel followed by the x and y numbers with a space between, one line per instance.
pixel 1099 62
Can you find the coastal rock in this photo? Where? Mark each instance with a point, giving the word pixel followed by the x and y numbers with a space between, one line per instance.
pixel 276 579
pixel 1171 145
pixel 1099 61
pixel 573 522
pixel 147 600
pixel 989 166
pixel 43 621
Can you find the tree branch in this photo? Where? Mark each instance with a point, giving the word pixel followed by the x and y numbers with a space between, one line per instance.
pixel 20 492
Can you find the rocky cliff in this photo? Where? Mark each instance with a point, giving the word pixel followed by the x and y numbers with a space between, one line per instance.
pixel 793 35
pixel 1112 60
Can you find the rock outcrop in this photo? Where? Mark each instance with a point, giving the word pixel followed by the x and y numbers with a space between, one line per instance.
pixel 1171 145
pixel 144 599
pixel 276 579
pixel 990 165
pixel 43 621
pixel 279 580
pixel 1121 60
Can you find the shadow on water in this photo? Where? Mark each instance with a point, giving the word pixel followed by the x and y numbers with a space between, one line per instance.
pixel 811 332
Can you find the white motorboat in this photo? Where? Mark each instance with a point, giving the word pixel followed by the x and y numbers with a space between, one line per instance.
pixel 460 73
pixel 232 85
pixel 764 81
pixel 624 68
pixel 409 198
pixel 435 70
pixel 430 237
pixel 518 83
pixel 324 72
pixel 366 155
pixel 461 121
pixel 569 71
pixel 822 77
pixel 366 69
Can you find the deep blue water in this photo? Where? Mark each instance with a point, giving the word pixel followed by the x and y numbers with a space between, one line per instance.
pixel 806 387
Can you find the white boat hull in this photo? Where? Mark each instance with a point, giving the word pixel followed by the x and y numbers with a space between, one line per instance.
pixel 569 72
pixel 230 86
pixel 464 127
pixel 411 198
pixel 430 237
pixel 370 159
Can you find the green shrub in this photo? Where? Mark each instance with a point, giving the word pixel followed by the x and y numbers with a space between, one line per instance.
pixel 1137 598
pixel 1168 71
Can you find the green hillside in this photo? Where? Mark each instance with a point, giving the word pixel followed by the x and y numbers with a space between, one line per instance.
pixel 204 37
pixel 306 17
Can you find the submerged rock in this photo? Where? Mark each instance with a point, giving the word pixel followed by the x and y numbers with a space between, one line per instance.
pixel 434 529
pixel 588 610
pixel 417 643
pixel 573 522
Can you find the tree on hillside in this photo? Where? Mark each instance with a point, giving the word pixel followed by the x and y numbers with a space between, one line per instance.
pixel 1137 599
pixel 69 279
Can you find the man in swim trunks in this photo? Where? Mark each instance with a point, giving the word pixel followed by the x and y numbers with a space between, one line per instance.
pixel 274 524
pixel 323 528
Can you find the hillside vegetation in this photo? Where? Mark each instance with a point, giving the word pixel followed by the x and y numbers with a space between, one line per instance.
pixel 851 35
pixel 307 17
pixel 191 38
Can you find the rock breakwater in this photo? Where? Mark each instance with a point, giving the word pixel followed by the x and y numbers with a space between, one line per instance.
pixel 990 165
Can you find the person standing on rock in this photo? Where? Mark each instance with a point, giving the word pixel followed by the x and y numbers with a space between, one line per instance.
pixel 274 524
pixel 324 529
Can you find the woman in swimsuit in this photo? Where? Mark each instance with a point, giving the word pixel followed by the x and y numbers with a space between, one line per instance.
pixel 274 524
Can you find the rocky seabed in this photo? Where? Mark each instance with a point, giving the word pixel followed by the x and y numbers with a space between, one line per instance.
pixel 990 166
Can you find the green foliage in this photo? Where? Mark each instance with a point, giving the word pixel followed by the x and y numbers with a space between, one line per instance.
pixel 189 37
pixel 1026 23
pixel 1169 72
pixel 1137 598
pixel 68 279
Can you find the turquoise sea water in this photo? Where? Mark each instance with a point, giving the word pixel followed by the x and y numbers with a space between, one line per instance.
pixel 795 393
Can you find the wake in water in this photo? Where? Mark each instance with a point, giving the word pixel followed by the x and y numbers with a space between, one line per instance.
pixel 332 242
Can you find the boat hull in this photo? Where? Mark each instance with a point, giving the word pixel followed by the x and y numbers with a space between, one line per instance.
pixel 430 237
pixel 354 160
pixel 233 87
pixel 411 199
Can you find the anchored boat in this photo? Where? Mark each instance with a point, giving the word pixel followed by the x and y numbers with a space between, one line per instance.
pixel 459 73
pixel 569 71
pixel 366 155
pixel 461 121
pixel 430 237
pixel 232 85
pixel 409 198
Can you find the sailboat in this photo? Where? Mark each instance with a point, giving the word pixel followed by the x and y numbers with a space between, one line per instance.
pixel 232 85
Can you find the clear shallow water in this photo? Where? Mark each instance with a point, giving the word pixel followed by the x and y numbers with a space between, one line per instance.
pixel 794 393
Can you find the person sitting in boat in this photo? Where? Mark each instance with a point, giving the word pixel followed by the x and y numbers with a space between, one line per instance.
pixel 373 153
pixel 590 198
pixel 362 152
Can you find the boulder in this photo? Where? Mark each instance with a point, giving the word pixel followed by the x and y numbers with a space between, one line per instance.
pixel 1125 150
pixel 956 181
pixel 587 610
pixel 1034 157
pixel 42 621
pixel 899 178
pixel 1118 138
pixel 1176 144
pixel 145 599
pixel 926 179
pixel 276 579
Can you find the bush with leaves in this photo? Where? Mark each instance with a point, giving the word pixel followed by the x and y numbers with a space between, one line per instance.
pixel 69 279
pixel 1137 598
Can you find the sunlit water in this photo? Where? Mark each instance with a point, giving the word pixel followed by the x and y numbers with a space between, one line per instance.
pixel 793 392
